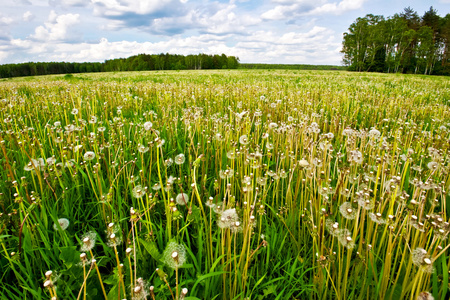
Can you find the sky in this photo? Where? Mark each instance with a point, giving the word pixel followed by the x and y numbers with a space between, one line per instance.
pixel 256 31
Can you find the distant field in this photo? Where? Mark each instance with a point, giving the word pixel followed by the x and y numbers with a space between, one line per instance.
pixel 242 184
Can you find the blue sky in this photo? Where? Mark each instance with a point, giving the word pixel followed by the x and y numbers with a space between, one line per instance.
pixel 265 31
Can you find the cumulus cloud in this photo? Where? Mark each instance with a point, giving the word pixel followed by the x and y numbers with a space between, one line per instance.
pixel 289 8
pixel 56 28
pixel 28 16
pixel 337 8
pixel 68 2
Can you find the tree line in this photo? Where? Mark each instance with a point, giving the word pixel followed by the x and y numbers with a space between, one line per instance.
pixel 402 43
pixel 291 67
pixel 141 62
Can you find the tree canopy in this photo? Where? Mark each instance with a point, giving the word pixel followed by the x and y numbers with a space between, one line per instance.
pixel 141 62
pixel 404 43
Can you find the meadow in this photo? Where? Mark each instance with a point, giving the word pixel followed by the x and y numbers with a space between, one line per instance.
pixel 242 184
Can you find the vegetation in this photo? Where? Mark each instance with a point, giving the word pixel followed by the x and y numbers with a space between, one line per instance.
pixel 404 43
pixel 141 62
pixel 225 185
pixel 291 67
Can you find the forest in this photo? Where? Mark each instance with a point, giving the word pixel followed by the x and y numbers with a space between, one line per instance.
pixel 141 62
pixel 402 43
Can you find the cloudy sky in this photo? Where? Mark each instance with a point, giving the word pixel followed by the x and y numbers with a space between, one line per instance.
pixel 260 31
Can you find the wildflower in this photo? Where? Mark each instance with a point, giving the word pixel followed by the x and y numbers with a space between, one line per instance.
pixel 332 227
pixel 63 223
pixel 425 296
pixel 261 181
pixel 273 125
pixel 377 218
pixel 231 154
pixel 142 149
pixel 138 191
pixel 93 120
pixel 421 258
pixel 347 210
pixel 182 199
pixel 432 165
pixel 114 240
pixel 168 162
pixel 88 241
pixel 219 137
pixel 355 157
pixel 174 256
pixel 156 186
pixel 179 159
pixel 244 139
pixel 228 219
pixel 51 161
pixel 374 133
pixel 89 155
pixel 148 125
pixel 344 237
pixel 303 163
pixel 74 111
pixel 101 129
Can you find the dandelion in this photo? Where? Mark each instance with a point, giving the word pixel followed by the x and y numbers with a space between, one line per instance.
pixel 273 125
pixel 148 125
pixel 377 218
pixel 174 256
pixel 231 154
pixel 261 181
pixel 93 120
pixel 74 111
pixel 182 199
pixel 432 165
pixel 179 159
pixel 303 163
pixel 114 240
pixel 138 192
pixel 142 149
pixel 88 241
pixel 89 156
pixel 228 219
pixel 156 186
pixel 421 259
pixel 347 210
pixel 219 137
pixel 51 161
pixel 244 139
pixel 168 162
pixel 345 238
pixel 63 223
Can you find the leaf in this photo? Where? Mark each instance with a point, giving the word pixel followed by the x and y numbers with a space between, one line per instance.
pixel 69 255
pixel 151 249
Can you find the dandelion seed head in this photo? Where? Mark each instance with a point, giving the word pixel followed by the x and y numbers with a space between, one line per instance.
pixel 174 256
pixel 63 223
pixel 89 156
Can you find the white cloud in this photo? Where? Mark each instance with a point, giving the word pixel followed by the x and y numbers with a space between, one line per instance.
pixel 69 2
pixel 56 28
pixel 114 7
pixel 337 8
pixel 6 20
pixel 28 16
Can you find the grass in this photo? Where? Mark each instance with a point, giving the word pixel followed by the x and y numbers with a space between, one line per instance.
pixel 244 184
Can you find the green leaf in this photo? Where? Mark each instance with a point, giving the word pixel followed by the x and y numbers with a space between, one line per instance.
pixel 151 248
pixel 69 256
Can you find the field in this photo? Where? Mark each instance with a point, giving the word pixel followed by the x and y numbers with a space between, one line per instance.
pixel 244 184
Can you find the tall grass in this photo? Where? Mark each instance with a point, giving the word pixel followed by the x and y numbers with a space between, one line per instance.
pixel 225 185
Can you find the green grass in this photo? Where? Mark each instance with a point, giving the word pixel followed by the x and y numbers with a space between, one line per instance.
pixel 338 191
